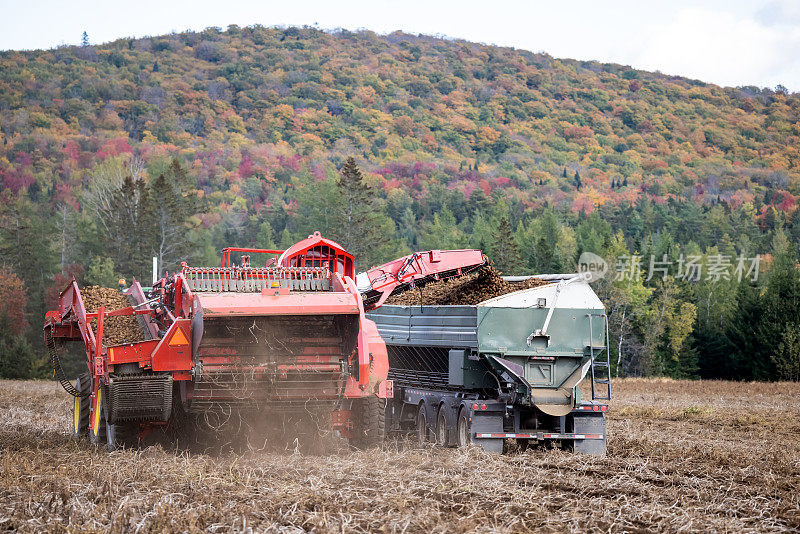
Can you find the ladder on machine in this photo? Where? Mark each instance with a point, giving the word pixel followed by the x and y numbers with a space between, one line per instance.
pixel 600 359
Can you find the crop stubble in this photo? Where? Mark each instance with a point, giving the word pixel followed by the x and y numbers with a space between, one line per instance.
pixel 711 456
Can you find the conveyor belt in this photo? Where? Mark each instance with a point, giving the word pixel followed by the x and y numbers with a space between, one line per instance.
pixel 139 397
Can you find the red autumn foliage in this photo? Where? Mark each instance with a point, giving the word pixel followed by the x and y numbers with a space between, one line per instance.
pixel 577 132
pixel 13 299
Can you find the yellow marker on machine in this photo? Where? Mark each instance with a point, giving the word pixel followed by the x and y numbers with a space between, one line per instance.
pixel 76 417
pixel 96 422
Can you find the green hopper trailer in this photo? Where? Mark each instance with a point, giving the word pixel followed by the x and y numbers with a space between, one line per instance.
pixel 508 368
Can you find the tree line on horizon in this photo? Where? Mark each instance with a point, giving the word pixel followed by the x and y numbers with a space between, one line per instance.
pixel 717 319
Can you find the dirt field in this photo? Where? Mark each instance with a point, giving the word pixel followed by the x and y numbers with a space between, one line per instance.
pixel 694 456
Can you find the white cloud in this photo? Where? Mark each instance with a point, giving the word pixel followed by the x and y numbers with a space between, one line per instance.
pixel 722 48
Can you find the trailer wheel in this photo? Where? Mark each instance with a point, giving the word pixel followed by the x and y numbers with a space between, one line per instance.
pixel 423 434
pixel 97 433
pixel 81 407
pixel 370 428
pixel 441 428
pixel 462 429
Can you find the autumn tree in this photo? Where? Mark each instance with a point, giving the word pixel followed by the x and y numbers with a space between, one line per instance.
pixel 16 354
pixel 27 248
pixel 13 300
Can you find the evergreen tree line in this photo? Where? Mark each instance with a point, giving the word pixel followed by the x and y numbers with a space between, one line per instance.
pixel 673 322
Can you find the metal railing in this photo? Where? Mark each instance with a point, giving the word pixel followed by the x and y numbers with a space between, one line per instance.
pixel 254 279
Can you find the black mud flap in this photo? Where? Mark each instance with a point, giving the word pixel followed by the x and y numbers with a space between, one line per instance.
pixel 590 424
pixel 488 423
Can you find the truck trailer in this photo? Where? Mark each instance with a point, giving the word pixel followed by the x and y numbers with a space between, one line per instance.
pixel 508 368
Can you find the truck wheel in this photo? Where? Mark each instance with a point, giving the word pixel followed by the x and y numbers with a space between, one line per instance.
pixel 441 428
pixel 462 429
pixel 423 435
pixel 97 434
pixel 370 422
pixel 422 427
pixel 81 406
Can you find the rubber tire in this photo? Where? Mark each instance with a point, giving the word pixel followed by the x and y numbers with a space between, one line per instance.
pixel 423 434
pixel 442 432
pixel 463 437
pixel 97 436
pixel 370 422
pixel 81 407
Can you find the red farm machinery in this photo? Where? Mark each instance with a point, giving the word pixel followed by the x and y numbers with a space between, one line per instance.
pixel 285 337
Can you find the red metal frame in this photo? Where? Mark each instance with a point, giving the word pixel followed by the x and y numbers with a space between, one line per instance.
pixel 226 253
pixel 316 251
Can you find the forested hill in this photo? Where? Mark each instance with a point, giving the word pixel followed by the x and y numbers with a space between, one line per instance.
pixel 261 103
pixel 180 144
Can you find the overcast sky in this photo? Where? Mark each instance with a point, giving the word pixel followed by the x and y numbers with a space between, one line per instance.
pixel 733 42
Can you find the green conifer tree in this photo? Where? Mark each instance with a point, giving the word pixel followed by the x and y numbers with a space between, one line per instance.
pixel 359 224
pixel 781 305
pixel 505 252
pixel 171 203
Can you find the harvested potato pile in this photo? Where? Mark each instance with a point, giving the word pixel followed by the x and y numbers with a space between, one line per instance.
pixel 116 330
pixel 462 290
